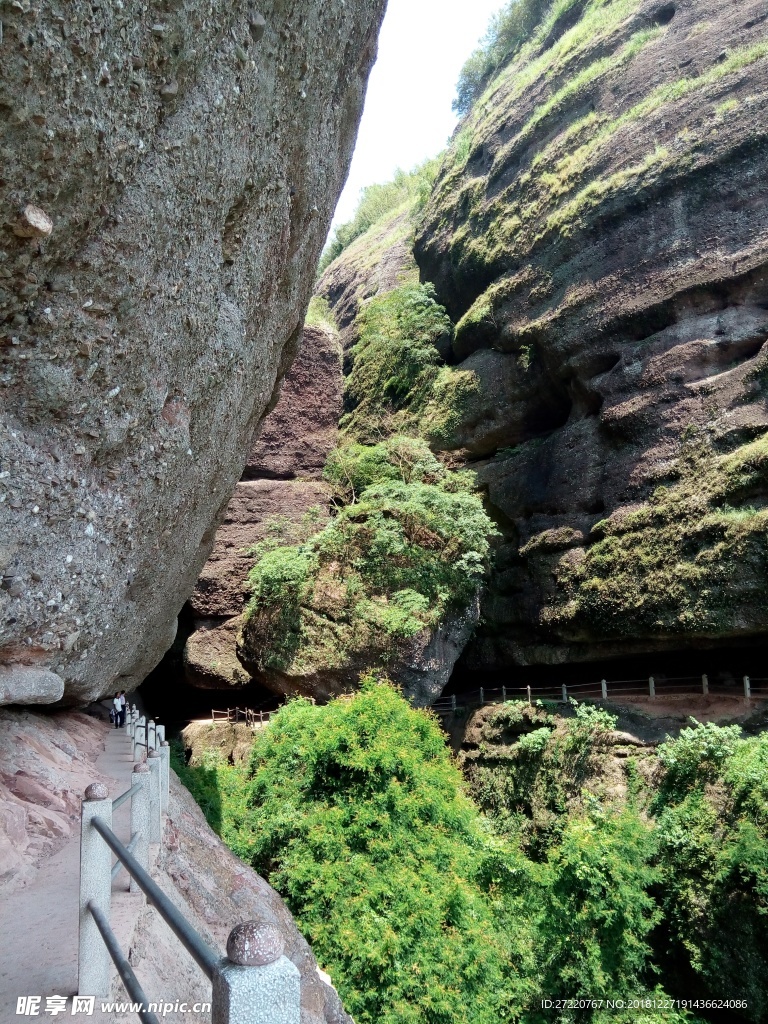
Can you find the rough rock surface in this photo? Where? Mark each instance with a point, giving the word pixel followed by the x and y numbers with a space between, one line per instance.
pixel 184 166
pixel 377 262
pixel 599 232
pixel 46 762
pixel 282 478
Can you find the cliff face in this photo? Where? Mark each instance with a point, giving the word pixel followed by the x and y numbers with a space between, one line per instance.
pixel 282 480
pixel 599 234
pixel 169 178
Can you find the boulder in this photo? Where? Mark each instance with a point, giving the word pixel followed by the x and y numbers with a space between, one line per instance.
pixel 168 184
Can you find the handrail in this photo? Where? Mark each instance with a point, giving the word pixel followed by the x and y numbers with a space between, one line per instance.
pixel 128 795
pixel 203 955
pixel 118 866
pixel 124 969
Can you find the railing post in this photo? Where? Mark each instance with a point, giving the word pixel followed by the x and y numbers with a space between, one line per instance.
pixel 155 809
pixel 165 775
pixel 128 721
pixel 482 696
pixel 604 688
pixel 151 735
pixel 256 984
pixel 705 685
pixel 93 960
pixel 652 687
pixel 160 734
pixel 747 688
pixel 140 818
pixel 529 693
pixel 453 702
pixel 565 694
pixel 139 747
pixel 504 694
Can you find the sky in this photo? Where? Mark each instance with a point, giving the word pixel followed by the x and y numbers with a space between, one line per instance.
pixel 408 116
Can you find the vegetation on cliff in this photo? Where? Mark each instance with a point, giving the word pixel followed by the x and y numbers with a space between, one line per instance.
pixel 672 564
pixel 409 542
pixel 569 873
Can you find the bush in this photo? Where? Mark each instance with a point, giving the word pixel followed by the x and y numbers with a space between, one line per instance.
pixel 507 31
pixel 357 819
pixel 387 567
pixel 698 755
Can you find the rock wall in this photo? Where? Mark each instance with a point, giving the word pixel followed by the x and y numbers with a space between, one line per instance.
pixel 282 478
pixel 169 174
pixel 599 233
pixel 46 762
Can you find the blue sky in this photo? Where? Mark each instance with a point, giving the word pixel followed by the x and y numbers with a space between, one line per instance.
pixel 408 115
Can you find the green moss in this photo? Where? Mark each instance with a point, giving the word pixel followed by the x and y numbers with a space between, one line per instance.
pixel 412 544
pixel 693 559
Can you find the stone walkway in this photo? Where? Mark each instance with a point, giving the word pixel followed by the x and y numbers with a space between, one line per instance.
pixel 38 923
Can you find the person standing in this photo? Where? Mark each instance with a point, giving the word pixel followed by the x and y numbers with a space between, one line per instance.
pixel 122 708
pixel 116 706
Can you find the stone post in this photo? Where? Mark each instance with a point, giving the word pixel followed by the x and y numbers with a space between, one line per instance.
pixel 652 687
pixel 747 688
pixel 705 685
pixel 529 693
pixel 604 689
pixel 155 809
pixel 93 962
pixel 160 734
pixel 256 984
pixel 453 702
pixel 565 694
pixel 504 694
pixel 140 818
pixel 165 775
pixel 128 721
pixel 139 747
pixel 482 696
pixel 151 735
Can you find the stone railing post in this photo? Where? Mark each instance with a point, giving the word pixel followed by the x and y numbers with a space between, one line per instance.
pixel 160 734
pixel 93 962
pixel 747 688
pixel 165 775
pixel 604 689
pixel 128 721
pixel 652 687
pixel 140 817
pixel 256 984
pixel 705 685
pixel 155 809
pixel 139 743
pixel 151 735
pixel 565 694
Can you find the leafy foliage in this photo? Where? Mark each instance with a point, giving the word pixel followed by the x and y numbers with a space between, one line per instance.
pixel 357 818
pixel 376 201
pixel 388 566
pixel 509 28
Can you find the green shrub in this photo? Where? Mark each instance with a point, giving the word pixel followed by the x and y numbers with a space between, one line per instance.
pixel 357 819
pixel 509 28
pixel 385 568
pixel 698 755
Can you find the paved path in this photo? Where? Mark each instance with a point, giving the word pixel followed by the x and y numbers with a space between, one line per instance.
pixel 38 923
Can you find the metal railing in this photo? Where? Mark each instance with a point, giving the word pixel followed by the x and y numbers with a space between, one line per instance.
pixel 247 715
pixel 255 983
pixel 649 686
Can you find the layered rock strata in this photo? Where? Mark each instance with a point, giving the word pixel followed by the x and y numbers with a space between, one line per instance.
pixel 282 480
pixel 599 234
pixel 168 182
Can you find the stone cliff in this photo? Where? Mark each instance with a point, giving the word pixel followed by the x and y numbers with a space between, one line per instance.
pixel 282 480
pixel 168 180
pixel 598 234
